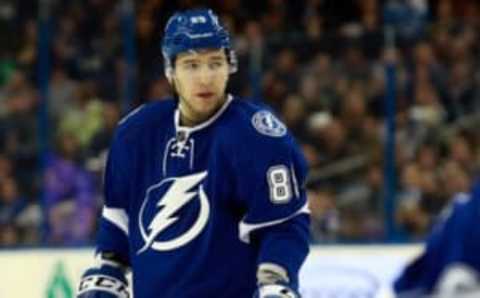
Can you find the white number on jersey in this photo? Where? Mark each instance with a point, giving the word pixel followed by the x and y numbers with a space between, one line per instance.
pixel 278 178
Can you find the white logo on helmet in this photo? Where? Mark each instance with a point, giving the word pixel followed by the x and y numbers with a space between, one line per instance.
pixel 266 123
pixel 198 20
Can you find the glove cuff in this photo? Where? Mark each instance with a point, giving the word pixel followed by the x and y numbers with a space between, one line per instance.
pixel 270 273
pixel 106 281
pixel 275 291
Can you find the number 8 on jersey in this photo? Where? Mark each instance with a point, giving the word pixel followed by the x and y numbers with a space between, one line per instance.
pixel 280 185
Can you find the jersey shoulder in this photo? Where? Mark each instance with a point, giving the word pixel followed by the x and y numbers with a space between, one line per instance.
pixel 255 120
pixel 145 117
pixel 259 135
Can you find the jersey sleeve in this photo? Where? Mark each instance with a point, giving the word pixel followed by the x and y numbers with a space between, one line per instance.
pixel 272 187
pixel 271 183
pixel 113 226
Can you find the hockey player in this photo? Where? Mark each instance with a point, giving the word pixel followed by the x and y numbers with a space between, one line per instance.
pixel 204 192
pixel 450 265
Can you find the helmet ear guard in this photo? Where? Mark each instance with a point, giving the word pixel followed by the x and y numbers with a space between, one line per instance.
pixel 232 61
pixel 168 70
pixel 194 30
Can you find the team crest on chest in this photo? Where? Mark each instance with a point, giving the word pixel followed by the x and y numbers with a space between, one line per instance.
pixel 162 209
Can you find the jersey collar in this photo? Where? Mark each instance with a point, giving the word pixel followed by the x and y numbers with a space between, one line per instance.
pixel 204 124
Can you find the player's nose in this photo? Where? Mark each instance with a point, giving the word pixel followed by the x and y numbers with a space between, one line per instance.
pixel 206 75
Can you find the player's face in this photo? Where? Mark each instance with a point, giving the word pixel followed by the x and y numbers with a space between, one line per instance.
pixel 200 78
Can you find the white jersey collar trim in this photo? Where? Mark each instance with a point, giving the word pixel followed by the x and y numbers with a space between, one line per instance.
pixel 204 124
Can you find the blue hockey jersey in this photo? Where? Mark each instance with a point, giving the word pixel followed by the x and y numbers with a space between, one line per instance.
pixel 194 210
pixel 453 243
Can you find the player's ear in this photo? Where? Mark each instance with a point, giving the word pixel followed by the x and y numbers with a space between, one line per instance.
pixel 169 68
pixel 169 75
pixel 172 81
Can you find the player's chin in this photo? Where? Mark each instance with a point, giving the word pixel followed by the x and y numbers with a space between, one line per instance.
pixel 201 108
pixel 207 112
pixel 208 105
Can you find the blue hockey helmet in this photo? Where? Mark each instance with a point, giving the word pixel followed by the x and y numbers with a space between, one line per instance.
pixel 193 30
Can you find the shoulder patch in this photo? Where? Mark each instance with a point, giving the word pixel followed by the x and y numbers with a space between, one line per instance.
pixel 266 123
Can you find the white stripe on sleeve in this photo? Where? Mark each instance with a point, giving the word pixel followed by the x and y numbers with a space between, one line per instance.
pixel 245 229
pixel 117 216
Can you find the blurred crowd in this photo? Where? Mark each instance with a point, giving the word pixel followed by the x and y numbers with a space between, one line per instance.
pixel 320 63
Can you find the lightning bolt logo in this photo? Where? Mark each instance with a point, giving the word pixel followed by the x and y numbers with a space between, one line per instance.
pixel 182 191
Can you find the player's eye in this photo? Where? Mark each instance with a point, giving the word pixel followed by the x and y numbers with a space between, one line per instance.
pixel 191 66
pixel 216 64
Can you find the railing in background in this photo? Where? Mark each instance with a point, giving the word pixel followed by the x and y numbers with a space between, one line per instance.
pixel 129 79
pixel 390 144
pixel 43 78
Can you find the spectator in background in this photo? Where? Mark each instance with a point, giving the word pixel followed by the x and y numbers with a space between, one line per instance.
pixel 309 90
pixel 61 91
pixel 409 214
pixel 282 77
pixel 353 115
pixel 18 214
pixel 293 114
pixel 427 110
pixel 70 196
pixel 433 197
pixel 158 88
pixel 9 235
pixel 335 144
pixel 375 194
pixel 19 131
pixel 27 53
pixel 409 18
pixel 83 118
pixel 353 64
pixel 461 98
pixel 11 207
pixel 322 94
pixel 98 146
pixel 252 51
pixel 6 167
pixel 454 179
pixel 311 155
pixel 324 214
